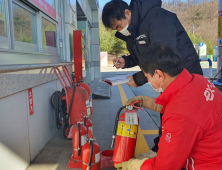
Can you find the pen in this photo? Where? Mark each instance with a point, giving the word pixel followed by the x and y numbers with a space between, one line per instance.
pixel 115 63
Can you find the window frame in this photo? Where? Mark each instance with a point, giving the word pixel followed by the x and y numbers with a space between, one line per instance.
pixel 49 49
pixel 5 40
pixel 18 45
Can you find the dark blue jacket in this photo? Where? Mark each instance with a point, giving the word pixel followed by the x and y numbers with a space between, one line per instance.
pixel 150 24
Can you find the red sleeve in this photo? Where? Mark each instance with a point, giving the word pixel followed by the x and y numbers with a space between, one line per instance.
pixel 163 109
pixel 179 136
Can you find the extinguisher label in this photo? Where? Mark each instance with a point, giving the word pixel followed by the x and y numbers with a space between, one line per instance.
pixel 131 118
pixel 90 100
pixel 87 103
pixel 127 130
pixel 88 108
pixel 97 157
pixel 91 128
pixel 83 140
pixel 88 112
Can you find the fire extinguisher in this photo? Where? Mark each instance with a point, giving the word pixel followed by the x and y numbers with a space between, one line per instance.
pixel 86 86
pixel 126 134
pixel 79 109
pixel 91 154
pixel 79 140
pixel 88 124
pixel 80 104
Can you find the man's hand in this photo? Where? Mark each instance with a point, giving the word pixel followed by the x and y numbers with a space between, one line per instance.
pixel 135 99
pixel 148 102
pixel 131 82
pixel 132 164
pixel 120 64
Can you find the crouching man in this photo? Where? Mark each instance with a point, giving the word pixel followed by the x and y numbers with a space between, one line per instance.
pixel 192 115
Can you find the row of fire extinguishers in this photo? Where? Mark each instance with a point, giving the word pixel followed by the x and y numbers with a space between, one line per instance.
pixel 73 110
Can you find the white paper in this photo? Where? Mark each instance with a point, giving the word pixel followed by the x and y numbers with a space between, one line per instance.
pixel 118 79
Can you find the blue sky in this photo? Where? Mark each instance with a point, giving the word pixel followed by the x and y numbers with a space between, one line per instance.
pixel 103 2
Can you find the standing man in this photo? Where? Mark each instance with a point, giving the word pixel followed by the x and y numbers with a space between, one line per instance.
pixel 192 115
pixel 141 24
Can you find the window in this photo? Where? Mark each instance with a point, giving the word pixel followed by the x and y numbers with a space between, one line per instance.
pixel 51 3
pixel 48 33
pixel 73 5
pixel 24 25
pixel 3 30
pixel 60 11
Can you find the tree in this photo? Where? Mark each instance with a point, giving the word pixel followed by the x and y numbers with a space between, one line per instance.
pixel 199 18
pixel 195 38
pixel 210 46
pixel 106 40
pixel 109 43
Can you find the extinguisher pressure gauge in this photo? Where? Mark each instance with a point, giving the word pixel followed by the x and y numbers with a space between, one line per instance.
pixel 130 107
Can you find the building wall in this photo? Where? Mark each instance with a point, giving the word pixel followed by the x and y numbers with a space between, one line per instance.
pixel 21 133
pixel 24 135
pixel 96 44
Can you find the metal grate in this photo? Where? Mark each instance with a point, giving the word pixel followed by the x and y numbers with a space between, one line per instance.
pixel 101 91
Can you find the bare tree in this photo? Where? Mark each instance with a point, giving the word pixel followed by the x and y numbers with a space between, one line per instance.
pixel 197 16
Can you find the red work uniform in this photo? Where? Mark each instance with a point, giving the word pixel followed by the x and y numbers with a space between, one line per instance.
pixel 192 126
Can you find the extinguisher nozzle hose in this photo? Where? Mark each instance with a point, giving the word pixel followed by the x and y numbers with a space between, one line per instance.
pixel 70 107
pixel 79 150
pixel 85 121
pixel 91 154
pixel 116 124
pixel 113 139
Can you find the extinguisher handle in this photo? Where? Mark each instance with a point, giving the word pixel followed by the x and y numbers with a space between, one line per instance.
pixel 79 132
pixel 90 134
pixel 132 104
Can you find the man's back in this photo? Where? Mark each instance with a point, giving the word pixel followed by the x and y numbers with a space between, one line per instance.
pixel 200 102
pixel 162 26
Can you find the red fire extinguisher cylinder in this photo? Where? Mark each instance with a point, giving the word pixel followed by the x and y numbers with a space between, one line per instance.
pixel 79 139
pixel 78 102
pixel 125 135
pixel 91 155
pixel 125 143
pixel 88 89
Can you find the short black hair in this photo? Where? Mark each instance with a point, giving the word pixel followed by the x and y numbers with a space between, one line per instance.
pixel 162 57
pixel 114 9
